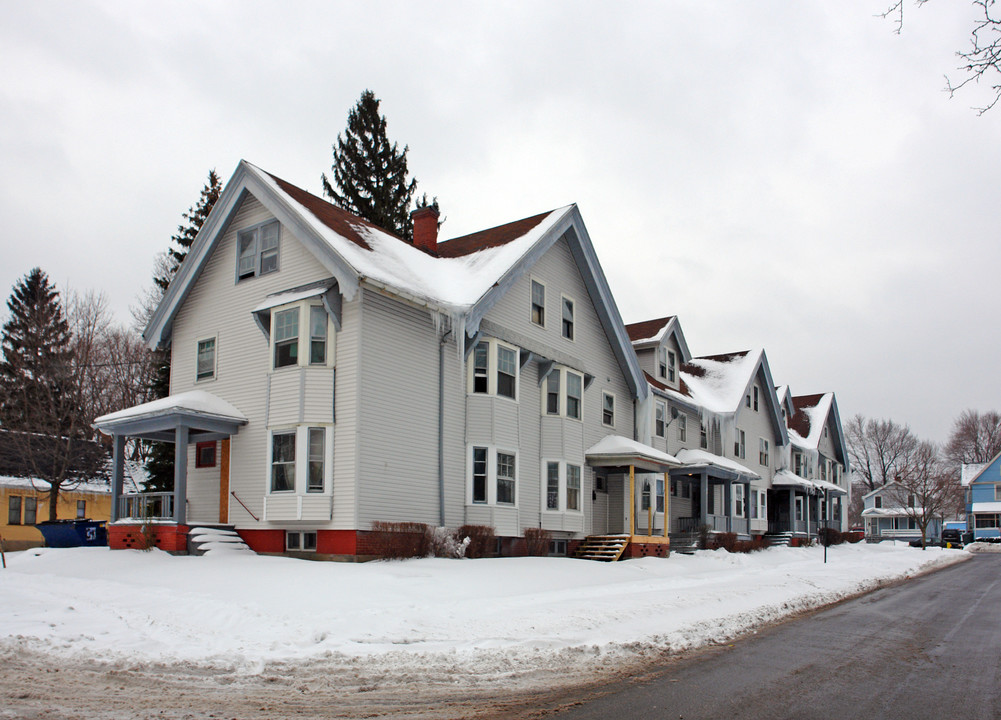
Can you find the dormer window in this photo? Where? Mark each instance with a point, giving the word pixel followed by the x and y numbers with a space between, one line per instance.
pixel 257 250
pixel 662 362
pixel 671 364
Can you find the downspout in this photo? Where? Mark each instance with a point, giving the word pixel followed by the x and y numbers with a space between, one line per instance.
pixel 441 427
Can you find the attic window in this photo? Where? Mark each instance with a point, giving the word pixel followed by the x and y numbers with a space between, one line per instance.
pixel 662 362
pixel 755 398
pixel 567 318
pixel 257 250
pixel 538 303
pixel 671 362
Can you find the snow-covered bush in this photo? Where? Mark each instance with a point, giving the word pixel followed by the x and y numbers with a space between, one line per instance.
pixel 445 543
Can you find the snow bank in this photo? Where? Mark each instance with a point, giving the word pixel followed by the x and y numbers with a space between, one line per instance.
pixel 478 617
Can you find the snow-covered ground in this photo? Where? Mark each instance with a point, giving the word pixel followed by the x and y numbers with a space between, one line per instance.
pixel 508 617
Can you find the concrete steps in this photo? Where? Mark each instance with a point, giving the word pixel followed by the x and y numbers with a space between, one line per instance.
pixel 204 539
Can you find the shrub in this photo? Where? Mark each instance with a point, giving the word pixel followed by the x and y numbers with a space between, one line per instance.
pixel 401 540
pixel 536 541
pixel 482 541
pixel 445 543
pixel 831 536
pixel 704 534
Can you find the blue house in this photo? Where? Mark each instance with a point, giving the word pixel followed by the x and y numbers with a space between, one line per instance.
pixel 983 498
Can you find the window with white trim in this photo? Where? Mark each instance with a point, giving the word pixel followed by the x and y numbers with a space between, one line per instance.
pixel 799 507
pixel 538 303
pixel 283 461
pixel 552 486
pixel 573 487
pixel 564 393
pixel 762 452
pixel 659 419
pixel 505 478
pixel 672 363
pixel 703 436
pixel 645 496
pixel 257 250
pixel 494 369
pixel 479 475
pixel 296 540
pixel 755 398
pixel 317 440
pixel 738 500
pixel 607 409
pixel 738 444
pixel 682 427
pixel 660 494
pixel 754 504
pixel 317 335
pixel 763 505
pixel 799 464
pixel 568 321
pixel 205 360
pixel 286 337
pixel 662 362
pixel 877 502
pixel 30 510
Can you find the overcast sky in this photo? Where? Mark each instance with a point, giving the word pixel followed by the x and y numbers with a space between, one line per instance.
pixel 786 175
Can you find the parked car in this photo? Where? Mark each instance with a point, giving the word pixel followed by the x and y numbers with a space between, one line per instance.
pixel 932 542
pixel 953 537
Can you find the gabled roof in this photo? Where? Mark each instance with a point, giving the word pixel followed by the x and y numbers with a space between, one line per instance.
pixel 806 425
pixel 463 279
pixel 719 383
pixel 976 473
pixel 650 333
pixel 784 395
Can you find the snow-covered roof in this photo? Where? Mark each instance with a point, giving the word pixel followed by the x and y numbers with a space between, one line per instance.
pixel 655 332
pixel 291 296
pixel 986 507
pixel 789 479
pixel 806 426
pixel 92 485
pixel 969 472
pixel 884 512
pixel 197 402
pixel 622 450
pixel 718 382
pixel 691 456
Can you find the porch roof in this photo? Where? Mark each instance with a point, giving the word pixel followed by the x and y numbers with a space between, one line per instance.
pixel 700 458
pixel 618 451
pixel 197 410
pixel 986 507
pixel 788 479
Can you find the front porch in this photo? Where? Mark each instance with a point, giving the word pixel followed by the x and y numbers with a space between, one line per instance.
pixel 802 508
pixel 160 518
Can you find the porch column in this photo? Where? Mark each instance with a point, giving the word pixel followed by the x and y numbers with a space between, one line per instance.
pixel 792 510
pixel 632 500
pixel 807 511
pixel 180 474
pixel 704 491
pixel 118 472
pixel 667 504
pixel 728 500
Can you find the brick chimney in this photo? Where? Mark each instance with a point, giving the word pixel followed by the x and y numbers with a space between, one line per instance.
pixel 426 229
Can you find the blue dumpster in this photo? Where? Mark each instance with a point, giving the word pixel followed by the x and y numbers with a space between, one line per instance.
pixel 74 533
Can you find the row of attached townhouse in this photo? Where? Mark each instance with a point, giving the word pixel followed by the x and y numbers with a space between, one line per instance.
pixel 326 375
pixel 755 460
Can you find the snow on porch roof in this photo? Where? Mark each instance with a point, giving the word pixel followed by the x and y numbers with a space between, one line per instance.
pixel 194 402
pixel 617 451
pixel 694 457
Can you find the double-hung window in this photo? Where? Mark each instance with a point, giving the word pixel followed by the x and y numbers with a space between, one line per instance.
pixel 997 492
pixel 317 335
pixel 567 318
pixel 682 428
pixel 755 398
pixel 283 461
pixel 286 332
pixel 671 365
pixel 703 435
pixel 877 501
pixel 763 452
pixel 30 510
pixel 738 500
pixel 762 505
pixel 205 360
pixel 552 486
pixel 754 504
pixel 659 419
pixel 662 362
pixel 494 369
pixel 507 371
pixel 538 303
pixel 573 487
pixel 14 510
pixel 575 388
pixel 479 475
pixel 607 409
pixel 645 496
pixel 738 444
pixel 553 393
pixel 81 509
pixel 257 250
pixel 316 457
pixel 505 479
pixel 660 495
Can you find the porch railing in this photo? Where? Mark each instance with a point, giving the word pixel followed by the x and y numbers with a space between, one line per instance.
pixel 146 506
pixel 716 523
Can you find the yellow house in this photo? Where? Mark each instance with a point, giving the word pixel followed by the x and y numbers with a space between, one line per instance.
pixel 24 501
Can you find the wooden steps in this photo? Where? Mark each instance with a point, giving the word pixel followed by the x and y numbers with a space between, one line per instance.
pixel 605 548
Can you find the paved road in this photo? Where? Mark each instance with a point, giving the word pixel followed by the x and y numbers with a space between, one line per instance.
pixel 927 648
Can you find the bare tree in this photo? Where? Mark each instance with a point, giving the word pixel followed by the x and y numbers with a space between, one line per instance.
pixel 982 59
pixel 880 450
pixel 975 438
pixel 926 491
pixel 856 505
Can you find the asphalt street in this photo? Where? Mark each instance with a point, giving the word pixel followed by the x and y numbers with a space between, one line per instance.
pixel 929 647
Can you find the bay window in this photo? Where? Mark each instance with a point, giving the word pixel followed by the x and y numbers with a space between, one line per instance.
pixel 573 487
pixel 494 369
pixel 479 475
pixel 493 476
pixel 286 337
pixel 316 459
pixel 564 393
pixel 317 335
pixel 283 461
pixel 505 479
pixel 552 486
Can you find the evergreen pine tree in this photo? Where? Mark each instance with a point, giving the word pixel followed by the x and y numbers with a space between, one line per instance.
pixel 36 365
pixel 371 173
pixel 160 465
pixel 40 391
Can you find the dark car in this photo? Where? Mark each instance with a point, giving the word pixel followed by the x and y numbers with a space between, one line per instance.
pixel 952 537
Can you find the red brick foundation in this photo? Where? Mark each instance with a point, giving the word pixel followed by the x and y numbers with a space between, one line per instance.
pixel 170 538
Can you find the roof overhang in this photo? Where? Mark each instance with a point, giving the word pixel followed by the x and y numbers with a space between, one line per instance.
pixel 615 451
pixel 206 417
